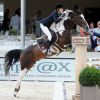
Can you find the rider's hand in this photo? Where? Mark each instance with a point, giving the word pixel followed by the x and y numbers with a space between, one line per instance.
pixel 44 36
pixel 62 15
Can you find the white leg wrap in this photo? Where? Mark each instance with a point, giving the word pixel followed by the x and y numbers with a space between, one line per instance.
pixel 21 75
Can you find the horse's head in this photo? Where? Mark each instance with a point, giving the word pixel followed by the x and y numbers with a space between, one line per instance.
pixel 77 18
pixel 70 21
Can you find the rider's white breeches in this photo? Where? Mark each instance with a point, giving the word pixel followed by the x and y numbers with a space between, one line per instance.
pixel 46 31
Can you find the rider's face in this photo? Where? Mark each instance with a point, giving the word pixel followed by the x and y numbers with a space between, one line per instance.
pixel 60 10
pixel 98 25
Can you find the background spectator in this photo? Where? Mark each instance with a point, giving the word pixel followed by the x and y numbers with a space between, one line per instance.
pixel 95 37
pixel 91 25
pixel 6 21
pixel 15 21
pixel 35 23
pixel 36 17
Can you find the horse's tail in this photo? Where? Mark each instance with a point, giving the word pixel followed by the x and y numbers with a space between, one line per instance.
pixel 11 58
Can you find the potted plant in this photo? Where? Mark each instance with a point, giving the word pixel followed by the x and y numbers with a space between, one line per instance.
pixel 89 79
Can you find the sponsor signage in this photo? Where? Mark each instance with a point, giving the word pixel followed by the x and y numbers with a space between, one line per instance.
pixel 94 62
pixel 81 40
pixel 44 70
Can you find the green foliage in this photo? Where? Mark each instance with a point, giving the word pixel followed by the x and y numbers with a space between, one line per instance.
pixel 98 76
pixel 13 32
pixel 89 76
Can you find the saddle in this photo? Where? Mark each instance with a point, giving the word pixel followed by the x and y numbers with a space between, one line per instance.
pixel 44 43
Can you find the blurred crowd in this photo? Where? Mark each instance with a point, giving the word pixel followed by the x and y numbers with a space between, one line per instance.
pixel 12 26
pixel 95 36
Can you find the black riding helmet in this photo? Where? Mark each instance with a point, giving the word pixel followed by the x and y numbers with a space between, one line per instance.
pixel 59 5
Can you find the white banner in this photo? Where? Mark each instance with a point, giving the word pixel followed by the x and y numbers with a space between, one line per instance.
pixel 94 62
pixel 44 70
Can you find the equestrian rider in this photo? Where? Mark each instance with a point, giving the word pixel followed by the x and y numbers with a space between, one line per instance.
pixel 56 16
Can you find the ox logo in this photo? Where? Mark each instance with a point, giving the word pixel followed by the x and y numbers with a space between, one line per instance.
pixel 48 67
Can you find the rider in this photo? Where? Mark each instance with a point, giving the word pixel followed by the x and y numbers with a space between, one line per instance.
pixel 56 16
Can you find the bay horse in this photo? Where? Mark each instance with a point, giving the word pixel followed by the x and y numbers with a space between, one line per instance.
pixel 36 52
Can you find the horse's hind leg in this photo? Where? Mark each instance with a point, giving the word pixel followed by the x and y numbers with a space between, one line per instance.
pixel 21 75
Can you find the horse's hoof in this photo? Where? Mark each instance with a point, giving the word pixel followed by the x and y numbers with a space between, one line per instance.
pixel 15 94
pixel 16 91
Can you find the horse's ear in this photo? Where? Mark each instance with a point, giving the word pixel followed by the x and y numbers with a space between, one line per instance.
pixel 77 9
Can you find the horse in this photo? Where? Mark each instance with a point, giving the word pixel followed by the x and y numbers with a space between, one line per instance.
pixel 35 52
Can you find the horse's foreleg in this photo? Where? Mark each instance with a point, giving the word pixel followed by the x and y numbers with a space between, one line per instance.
pixel 21 75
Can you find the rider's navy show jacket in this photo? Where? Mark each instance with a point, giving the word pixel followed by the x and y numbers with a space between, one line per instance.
pixel 53 17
